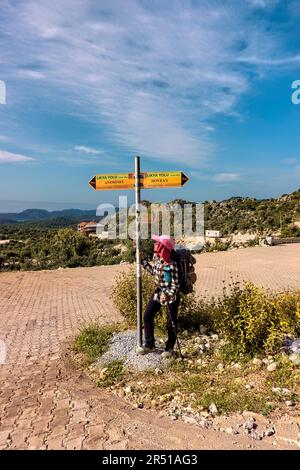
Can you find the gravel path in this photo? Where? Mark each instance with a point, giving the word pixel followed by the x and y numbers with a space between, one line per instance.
pixel 123 347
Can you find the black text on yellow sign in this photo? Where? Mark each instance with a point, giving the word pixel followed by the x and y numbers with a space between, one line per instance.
pixel 148 180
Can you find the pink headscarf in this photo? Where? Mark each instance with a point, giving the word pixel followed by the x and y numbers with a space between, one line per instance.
pixel 163 252
pixel 165 244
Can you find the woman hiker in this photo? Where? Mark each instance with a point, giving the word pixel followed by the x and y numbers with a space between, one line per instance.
pixel 166 293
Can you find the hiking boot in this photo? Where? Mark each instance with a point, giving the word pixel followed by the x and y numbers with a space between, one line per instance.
pixel 168 353
pixel 141 350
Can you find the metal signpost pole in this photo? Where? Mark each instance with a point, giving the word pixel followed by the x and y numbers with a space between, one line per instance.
pixel 138 254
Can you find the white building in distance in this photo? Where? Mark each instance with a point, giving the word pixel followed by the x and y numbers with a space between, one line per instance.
pixel 213 233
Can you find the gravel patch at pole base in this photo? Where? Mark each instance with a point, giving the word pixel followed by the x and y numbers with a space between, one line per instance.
pixel 122 346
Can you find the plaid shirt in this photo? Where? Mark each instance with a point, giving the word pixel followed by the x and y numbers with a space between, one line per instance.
pixel 170 289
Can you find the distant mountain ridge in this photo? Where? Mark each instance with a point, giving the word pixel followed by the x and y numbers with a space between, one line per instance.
pixel 30 215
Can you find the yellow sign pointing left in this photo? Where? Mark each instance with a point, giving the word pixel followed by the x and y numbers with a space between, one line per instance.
pixel 113 181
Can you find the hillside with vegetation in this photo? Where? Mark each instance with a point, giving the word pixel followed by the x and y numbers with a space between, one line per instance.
pixel 257 215
pixel 245 214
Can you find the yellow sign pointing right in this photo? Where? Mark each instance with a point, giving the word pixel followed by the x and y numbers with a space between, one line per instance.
pixel 163 179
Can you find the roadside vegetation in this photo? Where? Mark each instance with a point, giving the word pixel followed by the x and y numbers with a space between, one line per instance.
pixel 36 249
pixel 92 341
pixel 229 386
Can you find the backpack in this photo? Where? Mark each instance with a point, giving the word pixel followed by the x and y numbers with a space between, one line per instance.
pixel 187 276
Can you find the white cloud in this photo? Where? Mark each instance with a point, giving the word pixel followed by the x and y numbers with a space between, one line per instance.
pixel 291 161
pixel 34 74
pixel 76 161
pixel 225 177
pixel 254 60
pixel 153 74
pixel 294 8
pixel 199 175
pixel 262 3
pixel 216 178
pixel 90 150
pixel 8 157
pixel 2 92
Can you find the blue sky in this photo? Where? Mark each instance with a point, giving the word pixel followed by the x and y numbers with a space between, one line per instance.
pixel 198 86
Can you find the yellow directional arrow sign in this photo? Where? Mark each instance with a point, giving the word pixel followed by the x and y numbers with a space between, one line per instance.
pixel 113 181
pixel 163 179
pixel 148 180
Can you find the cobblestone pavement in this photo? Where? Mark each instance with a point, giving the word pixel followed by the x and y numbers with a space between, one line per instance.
pixel 46 403
pixel 276 268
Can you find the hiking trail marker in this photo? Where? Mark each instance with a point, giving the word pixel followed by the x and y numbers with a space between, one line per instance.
pixel 138 181
pixel 157 179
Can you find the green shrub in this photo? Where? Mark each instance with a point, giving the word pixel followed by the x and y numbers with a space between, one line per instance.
pixel 218 245
pixel 290 231
pixel 124 293
pixel 69 247
pixel 255 321
pixel 93 340
pixel 252 242
pixel 191 311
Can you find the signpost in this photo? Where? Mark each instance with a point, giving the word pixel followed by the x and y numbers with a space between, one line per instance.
pixel 154 179
pixel 138 181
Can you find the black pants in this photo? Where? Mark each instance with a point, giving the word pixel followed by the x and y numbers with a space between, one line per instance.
pixel 153 307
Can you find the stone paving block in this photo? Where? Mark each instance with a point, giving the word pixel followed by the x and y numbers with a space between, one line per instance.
pixel 46 406
pixel 28 413
pixel 79 405
pixel 73 443
pixel 24 424
pixel 63 404
pixel 121 445
pixel 18 439
pixel 30 401
pixel 60 416
pixel 4 435
pixel 57 430
pixel 78 416
pixel 12 411
pixel 40 426
pixel 55 443
pixel 93 443
pixel 36 442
